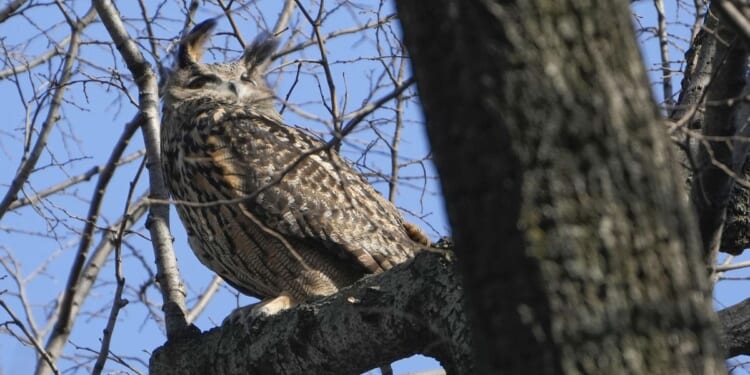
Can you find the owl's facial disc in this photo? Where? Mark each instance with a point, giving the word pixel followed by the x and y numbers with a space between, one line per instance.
pixel 239 89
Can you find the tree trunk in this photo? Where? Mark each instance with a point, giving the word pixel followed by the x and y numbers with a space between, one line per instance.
pixel 577 254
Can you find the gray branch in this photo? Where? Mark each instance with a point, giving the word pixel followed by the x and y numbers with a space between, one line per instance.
pixel 172 290
pixel 416 307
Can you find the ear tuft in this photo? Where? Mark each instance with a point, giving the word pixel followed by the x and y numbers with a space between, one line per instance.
pixel 258 53
pixel 191 46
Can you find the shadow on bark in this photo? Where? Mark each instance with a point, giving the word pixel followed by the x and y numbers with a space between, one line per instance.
pixel 414 308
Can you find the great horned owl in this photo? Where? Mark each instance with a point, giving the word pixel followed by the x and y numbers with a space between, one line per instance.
pixel 275 212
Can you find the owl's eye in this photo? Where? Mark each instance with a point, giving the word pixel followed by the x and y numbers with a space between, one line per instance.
pixel 202 80
pixel 247 78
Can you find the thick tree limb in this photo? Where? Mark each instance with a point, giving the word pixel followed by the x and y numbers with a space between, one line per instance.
pixel 735 324
pixel 711 185
pixel 714 77
pixel 414 308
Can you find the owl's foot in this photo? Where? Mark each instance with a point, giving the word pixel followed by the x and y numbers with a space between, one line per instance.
pixel 246 315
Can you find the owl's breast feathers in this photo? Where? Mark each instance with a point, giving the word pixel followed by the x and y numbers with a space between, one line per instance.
pixel 284 192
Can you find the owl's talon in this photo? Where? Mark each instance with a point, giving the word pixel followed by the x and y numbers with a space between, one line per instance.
pixel 246 315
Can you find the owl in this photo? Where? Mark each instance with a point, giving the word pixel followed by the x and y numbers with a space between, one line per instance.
pixel 275 212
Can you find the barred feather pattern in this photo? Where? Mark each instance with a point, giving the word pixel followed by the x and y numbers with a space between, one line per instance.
pixel 268 207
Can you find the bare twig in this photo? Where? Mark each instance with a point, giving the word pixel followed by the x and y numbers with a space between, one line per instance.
pixel 72 181
pixel 666 70
pixel 315 23
pixel 735 16
pixel 27 165
pixel 206 296
pixel 395 143
pixel 236 30
pixel 283 20
pixel 335 34
pixel 173 292
pixel 43 353
pixel 118 302
pixel 27 65
pixel 65 319
pixel 11 7
pixel 732 266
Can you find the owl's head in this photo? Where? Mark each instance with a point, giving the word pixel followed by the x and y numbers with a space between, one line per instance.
pixel 239 82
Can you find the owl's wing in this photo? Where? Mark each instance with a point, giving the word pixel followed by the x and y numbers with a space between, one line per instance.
pixel 296 187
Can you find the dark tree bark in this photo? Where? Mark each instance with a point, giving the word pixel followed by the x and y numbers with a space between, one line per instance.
pixel 577 254
pixel 735 324
pixel 707 118
pixel 414 308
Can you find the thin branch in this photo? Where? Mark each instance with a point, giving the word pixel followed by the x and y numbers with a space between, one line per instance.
pixel 118 302
pixel 8 10
pixel 28 65
pixel 735 16
pixel 168 275
pixel 732 266
pixel 664 51
pixel 72 181
pixel 28 164
pixel 283 20
pixel 334 34
pixel 65 319
pixel 699 6
pixel 324 62
pixel 202 302
pixel 394 146
pixel 43 353
pixel 236 30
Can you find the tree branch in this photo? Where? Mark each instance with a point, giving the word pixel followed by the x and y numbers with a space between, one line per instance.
pixel 27 165
pixel 735 324
pixel 414 308
pixel 168 275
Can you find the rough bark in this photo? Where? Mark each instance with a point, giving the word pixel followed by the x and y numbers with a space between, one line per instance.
pixel 414 308
pixel 560 186
pixel 735 324
pixel 736 235
pixel 714 76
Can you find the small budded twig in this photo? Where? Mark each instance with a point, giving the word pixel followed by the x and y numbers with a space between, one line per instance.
pixel 204 298
pixel 118 302
pixel 666 70
pixel 283 20
pixel 333 107
pixel 237 33
pixel 43 353
pixel 395 143
pixel 10 8
pixel 28 163
pixel 65 319
pixel 93 171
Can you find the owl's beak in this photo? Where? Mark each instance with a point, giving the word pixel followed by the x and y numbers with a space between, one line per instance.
pixel 238 89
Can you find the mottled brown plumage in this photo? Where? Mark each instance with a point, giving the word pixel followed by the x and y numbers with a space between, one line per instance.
pixel 282 216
